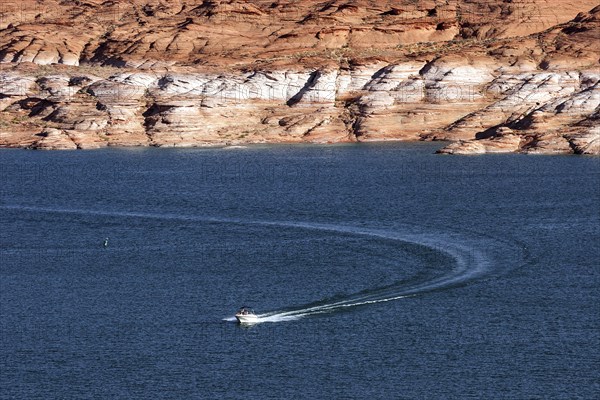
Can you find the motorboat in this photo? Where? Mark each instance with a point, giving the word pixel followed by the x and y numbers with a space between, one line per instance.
pixel 246 315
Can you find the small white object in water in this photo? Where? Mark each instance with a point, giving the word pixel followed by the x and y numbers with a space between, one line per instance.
pixel 246 316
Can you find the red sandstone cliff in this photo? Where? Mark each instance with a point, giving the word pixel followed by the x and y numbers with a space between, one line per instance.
pixel 494 76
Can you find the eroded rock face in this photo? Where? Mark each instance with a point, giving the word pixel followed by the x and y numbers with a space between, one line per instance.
pixel 401 101
pixel 200 73
pixel 54 139
pixel 158 33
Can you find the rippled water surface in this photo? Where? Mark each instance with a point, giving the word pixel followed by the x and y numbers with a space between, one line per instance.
pixel 377 271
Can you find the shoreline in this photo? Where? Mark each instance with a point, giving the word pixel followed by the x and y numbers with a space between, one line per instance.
pixel 290 145
pixel 240 145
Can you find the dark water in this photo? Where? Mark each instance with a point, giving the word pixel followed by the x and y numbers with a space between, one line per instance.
pixel 379 271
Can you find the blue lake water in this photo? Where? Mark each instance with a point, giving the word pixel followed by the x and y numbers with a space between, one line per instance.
pixel 378 271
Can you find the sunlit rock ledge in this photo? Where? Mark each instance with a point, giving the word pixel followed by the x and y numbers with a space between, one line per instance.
pixel 489 76
pixel 486 108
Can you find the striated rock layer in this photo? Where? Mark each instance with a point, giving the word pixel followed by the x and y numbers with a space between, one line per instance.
pixel 491 76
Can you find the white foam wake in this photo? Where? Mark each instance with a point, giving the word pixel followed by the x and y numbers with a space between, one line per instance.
pixel 470 262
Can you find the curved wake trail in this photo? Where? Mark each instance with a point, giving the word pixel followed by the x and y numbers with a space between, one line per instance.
pixel 470 261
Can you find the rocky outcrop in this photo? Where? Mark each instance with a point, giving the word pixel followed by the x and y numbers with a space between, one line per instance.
pixel 54 139
pixel 513 112
pixel 228 72
pixel 550 113
pixel 153 33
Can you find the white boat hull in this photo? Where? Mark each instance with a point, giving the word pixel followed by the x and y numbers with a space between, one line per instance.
pixel 247 319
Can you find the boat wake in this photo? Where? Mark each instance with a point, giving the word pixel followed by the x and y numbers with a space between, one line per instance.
pixel 473 258
pixel 473 255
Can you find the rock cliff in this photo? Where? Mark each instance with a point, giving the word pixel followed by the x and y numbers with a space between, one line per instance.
pixel 490 76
